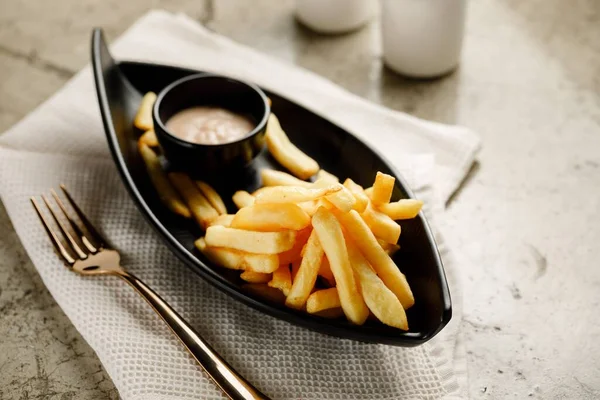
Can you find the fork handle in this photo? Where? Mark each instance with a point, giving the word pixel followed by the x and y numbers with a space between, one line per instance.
pixel 230 382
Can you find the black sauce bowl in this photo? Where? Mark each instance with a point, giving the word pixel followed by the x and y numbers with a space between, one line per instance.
pixel 206 160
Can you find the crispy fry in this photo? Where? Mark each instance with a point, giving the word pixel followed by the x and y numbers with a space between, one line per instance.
pixel 310 207
pixel 381 301
pixel 306 277
pixel 327 176
pixel 382 189
pixel 213 197
pixel 342 199
pixel 295 266
pixel 294 254
pixel 402 209
pixel 294 194
pixel 388 247
pixel 369 192
pixel 271 177
pixel 359 195
pixel 255 277
pixel 282 279
pixel 271 217
pixel 167 193
pixel 286 153
pixel 331 237
pixel 242 199
pixel 235 259
pixel 149 138
pixel 381 262
pixel 325 272
pixel 143 118
pixel 250 241
pixel 381 225
pixel 222 220
pixel 324 299
pixel 201 209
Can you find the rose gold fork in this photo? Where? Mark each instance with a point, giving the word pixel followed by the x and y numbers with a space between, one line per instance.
pixel 89 254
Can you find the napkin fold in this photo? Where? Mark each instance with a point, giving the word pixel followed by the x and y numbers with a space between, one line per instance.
pixel 62 141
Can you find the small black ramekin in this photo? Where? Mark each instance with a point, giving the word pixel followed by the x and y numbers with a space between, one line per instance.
pixel 206 160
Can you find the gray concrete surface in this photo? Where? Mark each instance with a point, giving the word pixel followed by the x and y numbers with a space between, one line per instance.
pixel 526 222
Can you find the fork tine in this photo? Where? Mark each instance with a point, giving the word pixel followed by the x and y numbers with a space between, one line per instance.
pixel 86 242
pixel 74 246
pixel 96 237
pixel 53 238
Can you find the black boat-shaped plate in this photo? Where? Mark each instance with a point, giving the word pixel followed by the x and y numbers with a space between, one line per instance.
pixel 120 87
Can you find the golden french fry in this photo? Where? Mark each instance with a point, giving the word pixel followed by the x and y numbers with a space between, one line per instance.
pixel 295 267
pixel 250 241
pixel 294 194
pixel 330 235
pixel 306 276
pixel 327 176
pixel 235 259
pixel 149 138
pixel 310 207
pixel 342 199
pixel 381 301
pixel 369 192
pixel 324 299
pixel 271 177
pixel 201 209
pixel 222 220
pixel 167 193
pixel 242 199
pixel 389 248
pixel 402 209
pixel 255 277
pixel 382 189
pixel 286 153
pixel 282 279
pixel 143 118
pixel 325 272
pixel 381 262
pixel 213 197
pixel 271 217
pixel 295 253
pixel 359 195
pixel 381 225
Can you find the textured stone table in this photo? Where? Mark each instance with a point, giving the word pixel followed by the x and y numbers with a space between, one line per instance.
pixel 525 224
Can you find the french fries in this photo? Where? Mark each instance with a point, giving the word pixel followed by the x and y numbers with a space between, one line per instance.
pixel 250 241
pixel 255 277
pixel 282 279
pixel 402 209
pixel 143 118
pixel 305 278
pixel 166 192
pixel 242 199
pixel 212 196
pixel 381 262
pixel 380 300
pixel 271 217
pixel 327 176
pixel 199 206
pixel 382 189
pixel 239 260
pixel 288 233
pixel 359 195
pixel 321 300
pixel 288 155
pixel 271 177
pixel 294 194
pixel 381 225
pixel 149 138
pixel 329 232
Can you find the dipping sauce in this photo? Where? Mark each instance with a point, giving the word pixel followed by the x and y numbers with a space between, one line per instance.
pixel 209 125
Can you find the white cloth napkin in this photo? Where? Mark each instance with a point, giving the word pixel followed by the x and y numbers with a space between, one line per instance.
pixel 63 141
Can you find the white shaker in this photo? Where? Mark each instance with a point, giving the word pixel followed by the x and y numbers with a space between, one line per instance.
pixel 335 16
pixel 422 38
